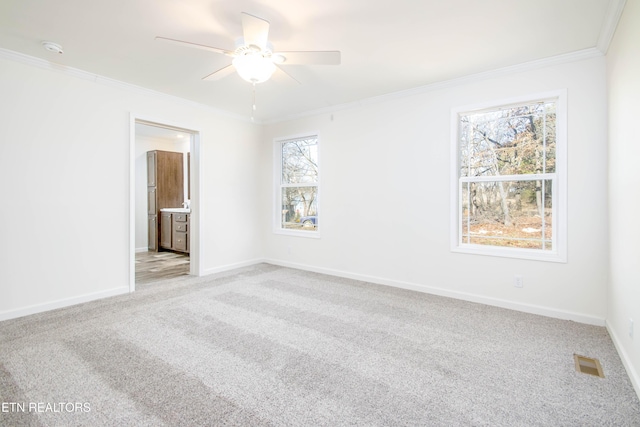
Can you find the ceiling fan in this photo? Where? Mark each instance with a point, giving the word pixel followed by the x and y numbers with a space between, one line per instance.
pixel 254 58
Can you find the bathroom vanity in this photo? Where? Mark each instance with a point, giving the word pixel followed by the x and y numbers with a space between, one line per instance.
pixel 174 229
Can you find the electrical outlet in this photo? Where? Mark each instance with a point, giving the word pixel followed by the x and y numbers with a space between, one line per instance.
pixel 288 250
pixel 630 328
pixel 519 281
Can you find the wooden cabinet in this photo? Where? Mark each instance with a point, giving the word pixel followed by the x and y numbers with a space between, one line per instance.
pixel 151 169
pixel 151 201
pixel 165 230
pixel 165 189
pixel 174 231
pixel 153 236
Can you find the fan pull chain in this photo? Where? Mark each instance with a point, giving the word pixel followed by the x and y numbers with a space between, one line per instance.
pixel 254 97
pixel 253 107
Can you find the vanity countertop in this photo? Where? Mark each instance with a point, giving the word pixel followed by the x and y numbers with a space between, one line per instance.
pixel 176 210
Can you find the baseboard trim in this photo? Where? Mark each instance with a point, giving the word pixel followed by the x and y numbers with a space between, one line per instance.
pixel 62 303
pixel 228 267
pixel 496 302
pixel 145 249
pixel 626 360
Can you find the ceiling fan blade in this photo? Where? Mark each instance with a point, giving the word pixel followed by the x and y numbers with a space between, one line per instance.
pixel 219 74
pixel 255 30
pixel 282 72
pixel 195 45
pixel 327 57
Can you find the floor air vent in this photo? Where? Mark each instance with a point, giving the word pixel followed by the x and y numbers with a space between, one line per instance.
pixel 588 365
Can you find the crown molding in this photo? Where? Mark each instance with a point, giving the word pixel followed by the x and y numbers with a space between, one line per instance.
pixel 499 72
pixel 610 23
pixel 85 75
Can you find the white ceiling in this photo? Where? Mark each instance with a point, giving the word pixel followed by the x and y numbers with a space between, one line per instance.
pixel 387 46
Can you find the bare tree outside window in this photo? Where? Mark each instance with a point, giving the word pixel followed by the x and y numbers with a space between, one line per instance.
pixel 299 184
pixel 507 176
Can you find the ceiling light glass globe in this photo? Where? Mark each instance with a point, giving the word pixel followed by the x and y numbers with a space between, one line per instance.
pixel 254 68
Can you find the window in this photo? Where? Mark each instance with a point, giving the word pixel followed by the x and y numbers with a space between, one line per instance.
pixel 509 195
pixel 297 189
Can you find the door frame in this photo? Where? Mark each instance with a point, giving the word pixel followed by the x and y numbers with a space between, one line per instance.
pixel 195 266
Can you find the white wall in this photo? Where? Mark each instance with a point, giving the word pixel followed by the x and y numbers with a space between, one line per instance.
pixel 64 180
pixel 144 144
pixel 623 66
pixel 385 197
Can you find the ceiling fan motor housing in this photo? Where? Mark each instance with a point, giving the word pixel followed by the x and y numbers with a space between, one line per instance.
pixel 243 48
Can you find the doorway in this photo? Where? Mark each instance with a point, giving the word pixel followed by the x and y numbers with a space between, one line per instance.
pixel 148 261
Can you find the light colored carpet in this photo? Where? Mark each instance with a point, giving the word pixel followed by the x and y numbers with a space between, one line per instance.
pixel 266 345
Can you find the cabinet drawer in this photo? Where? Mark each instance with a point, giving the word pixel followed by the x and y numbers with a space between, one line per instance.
pixel 180 226
pixel 179 241
pixel 180 217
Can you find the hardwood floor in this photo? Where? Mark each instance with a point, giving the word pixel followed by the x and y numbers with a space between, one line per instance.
pixel 154 266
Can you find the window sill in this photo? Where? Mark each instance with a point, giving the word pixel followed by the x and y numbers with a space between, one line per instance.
pixel 528 254
pixel 298 233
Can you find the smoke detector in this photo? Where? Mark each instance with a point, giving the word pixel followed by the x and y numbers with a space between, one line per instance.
pixel 52 47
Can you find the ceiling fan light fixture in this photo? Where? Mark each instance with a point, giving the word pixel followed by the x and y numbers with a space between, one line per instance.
pixel 254 68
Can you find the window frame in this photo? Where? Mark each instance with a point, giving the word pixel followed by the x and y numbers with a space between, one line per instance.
pixel 278 186
pixel 559 182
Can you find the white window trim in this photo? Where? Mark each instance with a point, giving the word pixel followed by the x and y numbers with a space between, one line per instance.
pixel 559 253
pixel 277 176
